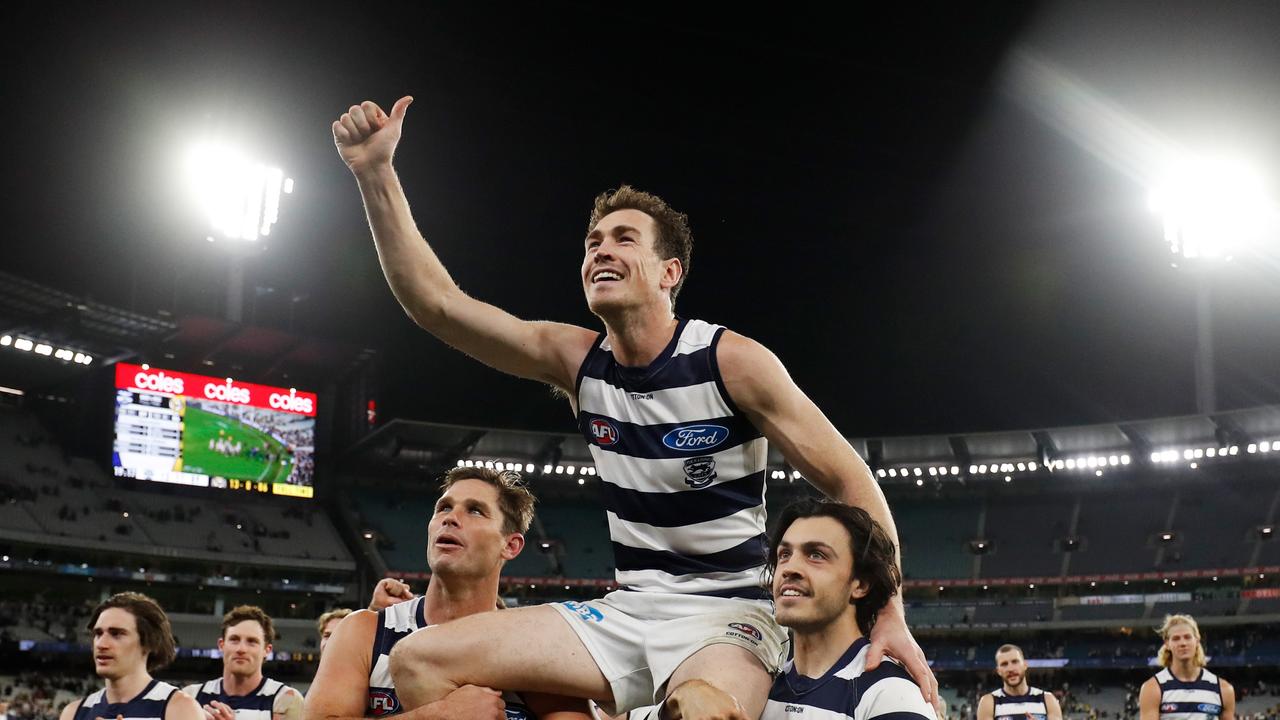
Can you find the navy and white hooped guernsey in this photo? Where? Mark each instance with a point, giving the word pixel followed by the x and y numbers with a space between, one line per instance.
pixel 257 705
pixel 848 692
pixel 1200 699
pixel 396 623
pixel 1030 706
pixel 149 704
pixel 682 469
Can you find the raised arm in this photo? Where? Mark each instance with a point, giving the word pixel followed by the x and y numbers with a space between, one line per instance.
pixel 760 386
pixel 366 138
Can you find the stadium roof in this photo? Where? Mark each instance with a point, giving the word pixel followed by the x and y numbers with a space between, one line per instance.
pixel 1184 441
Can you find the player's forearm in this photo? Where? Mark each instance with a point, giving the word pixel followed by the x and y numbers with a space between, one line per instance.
pixel 417 278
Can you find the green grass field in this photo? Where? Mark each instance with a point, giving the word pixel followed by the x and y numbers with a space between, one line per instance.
pixel 203 426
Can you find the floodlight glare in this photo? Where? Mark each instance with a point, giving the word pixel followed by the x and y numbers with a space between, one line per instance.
pixel 1213 208
pixel 240 198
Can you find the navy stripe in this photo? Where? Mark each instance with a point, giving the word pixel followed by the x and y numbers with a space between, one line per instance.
pixel 1015 699
pixel 838 695
pixel 663 442
pixel 679 371
pixel 667 509
pixel 744 556
pixel 135 708
pixel 1188 706
pixel 900 715
pixel 582 369
pixel 1176 684
pixel 714 358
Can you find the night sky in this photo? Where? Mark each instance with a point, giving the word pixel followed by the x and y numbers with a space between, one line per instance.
pixel 868 197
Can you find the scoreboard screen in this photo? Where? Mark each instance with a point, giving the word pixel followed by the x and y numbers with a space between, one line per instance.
pixel 222 433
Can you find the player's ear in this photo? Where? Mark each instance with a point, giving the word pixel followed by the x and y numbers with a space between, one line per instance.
pixel 513 546
pixel 672 271
pixel 857 590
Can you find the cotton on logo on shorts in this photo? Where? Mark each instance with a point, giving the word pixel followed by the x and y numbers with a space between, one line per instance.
pixel 745 632
pixel 586 612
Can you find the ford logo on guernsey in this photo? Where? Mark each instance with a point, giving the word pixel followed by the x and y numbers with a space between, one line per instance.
pixel 695 438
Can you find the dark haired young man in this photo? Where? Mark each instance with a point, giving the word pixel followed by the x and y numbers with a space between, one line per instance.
pixel 678 414
pixel 132 639
pixel 834 569
pixel 243 692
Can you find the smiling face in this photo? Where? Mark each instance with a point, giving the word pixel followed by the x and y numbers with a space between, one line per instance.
pixel 813 583
pixel 465 536
pixel 244 647
pixel 117 647
pixel 621 269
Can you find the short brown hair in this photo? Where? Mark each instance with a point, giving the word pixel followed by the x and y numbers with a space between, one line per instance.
pixel 672 236
pixel 154 632
pixel 335 614
pixel 514 499
pixel 874 557
pixel 1010 647
pixel 249 612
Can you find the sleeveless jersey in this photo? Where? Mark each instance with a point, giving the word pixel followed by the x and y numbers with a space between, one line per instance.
pixel 148 705
pixel 682 469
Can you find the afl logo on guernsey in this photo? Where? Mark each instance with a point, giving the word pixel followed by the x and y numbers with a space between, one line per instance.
pixel 382 703
pixel 695 438
pixel 604 432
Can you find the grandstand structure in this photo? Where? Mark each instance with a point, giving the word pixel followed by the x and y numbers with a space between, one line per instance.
pixel 1073 542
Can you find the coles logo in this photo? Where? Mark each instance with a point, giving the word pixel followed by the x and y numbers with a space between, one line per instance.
pixel 604 432
pixel 695 438
pixel 382 703
pixel 746 629
pixel 227 392
pixel 291 402
pixel 159 382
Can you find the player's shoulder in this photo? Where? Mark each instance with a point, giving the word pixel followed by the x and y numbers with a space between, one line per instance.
pixel 181 705
pixel 69 710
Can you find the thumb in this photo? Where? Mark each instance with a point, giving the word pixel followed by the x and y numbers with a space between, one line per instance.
pixel 402 105
pixel 875 655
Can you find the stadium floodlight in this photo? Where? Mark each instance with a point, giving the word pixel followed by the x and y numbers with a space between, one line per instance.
pixel 1213 209
pixel 955 470
pixel 239 197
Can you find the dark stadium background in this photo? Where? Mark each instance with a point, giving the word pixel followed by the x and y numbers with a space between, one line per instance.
pixel 929 258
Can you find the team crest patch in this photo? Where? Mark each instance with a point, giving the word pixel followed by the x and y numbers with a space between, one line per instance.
pixel 604 432
pixel 584 611
pixel 382 703
pixel 699 471
pixel 745 632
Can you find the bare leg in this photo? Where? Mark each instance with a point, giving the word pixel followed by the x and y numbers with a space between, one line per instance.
pixel 731 669
pixel 526 649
